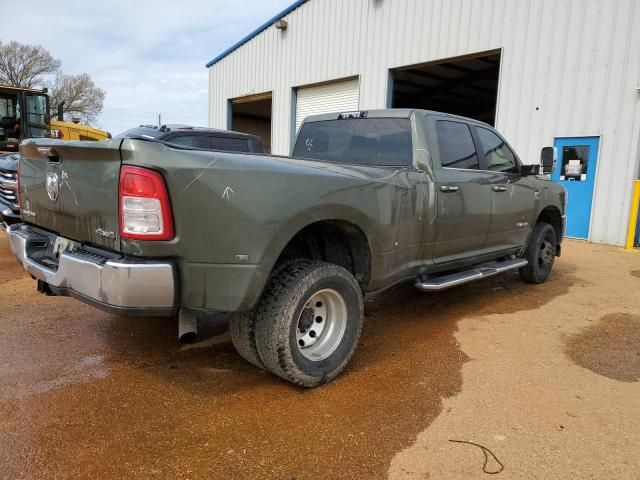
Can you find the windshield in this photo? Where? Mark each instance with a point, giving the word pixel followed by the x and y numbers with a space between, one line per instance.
pixel 149 132
pixel 360 141
pixel 36 113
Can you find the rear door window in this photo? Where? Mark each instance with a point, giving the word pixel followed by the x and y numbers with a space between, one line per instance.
pixel 455 142
pixel 360 141
pixel 499 157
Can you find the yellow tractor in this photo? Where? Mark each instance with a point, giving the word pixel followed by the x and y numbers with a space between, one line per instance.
pixel 24 113
pixel 73 130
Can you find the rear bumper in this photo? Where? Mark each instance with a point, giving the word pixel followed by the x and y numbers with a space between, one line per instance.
pixel 117 285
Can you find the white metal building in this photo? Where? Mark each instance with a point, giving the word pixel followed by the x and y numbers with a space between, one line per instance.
pixel 544 72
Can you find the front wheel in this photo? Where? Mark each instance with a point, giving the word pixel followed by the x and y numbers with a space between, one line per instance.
pixel 309 322
pixel 540 253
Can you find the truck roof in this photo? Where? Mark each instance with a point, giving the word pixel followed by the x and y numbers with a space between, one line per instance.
pixel 178 127
pixel 382 113
pixel 20 89
pixel 164 130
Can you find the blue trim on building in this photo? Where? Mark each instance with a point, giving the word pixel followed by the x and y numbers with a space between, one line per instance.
pixel 256 32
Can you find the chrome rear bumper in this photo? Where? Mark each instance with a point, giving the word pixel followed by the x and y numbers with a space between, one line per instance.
pixel 117 285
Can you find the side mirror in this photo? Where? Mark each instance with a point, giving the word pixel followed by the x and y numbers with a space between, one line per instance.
pixel 547 160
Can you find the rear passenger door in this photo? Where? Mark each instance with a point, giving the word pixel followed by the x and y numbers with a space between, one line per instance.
pixel 463 205
pixel 513 196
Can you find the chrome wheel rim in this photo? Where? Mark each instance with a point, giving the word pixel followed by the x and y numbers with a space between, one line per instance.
pixel 547 253
pixel 321 325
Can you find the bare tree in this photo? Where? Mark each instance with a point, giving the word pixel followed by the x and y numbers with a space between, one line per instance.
pixel 82 98
pixel 25 65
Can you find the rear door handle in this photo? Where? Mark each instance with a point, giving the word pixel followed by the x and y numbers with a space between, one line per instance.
pixel 498 188
pixel 448 188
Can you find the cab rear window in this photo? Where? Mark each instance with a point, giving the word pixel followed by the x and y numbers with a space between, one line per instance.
pixel 360 141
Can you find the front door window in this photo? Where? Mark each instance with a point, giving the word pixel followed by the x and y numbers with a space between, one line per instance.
pixel 498 156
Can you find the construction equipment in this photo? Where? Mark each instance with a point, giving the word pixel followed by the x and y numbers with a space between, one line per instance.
pixel 73 130
pixel 24 113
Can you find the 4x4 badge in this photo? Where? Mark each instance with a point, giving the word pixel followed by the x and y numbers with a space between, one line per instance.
pixel 53 186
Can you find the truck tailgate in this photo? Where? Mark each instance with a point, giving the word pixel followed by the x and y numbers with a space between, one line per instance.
pixel 71 188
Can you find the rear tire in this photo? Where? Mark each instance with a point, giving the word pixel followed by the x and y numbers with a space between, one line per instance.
pixel 242 326
pixel 540 253
pixel 309 322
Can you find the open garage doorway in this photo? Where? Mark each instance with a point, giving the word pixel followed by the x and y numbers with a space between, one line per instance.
pixel 252 115
pixel 466 86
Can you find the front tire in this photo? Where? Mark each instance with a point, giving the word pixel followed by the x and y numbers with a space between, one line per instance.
pixel 309 322
pixel 540 253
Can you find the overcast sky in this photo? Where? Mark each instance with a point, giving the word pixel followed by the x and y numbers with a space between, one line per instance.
pixel 149 57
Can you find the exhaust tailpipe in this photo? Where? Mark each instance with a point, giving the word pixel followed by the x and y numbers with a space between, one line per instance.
pixel 187 325
pixel 61 111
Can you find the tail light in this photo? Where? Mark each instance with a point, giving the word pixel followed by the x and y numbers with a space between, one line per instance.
pixel 145 210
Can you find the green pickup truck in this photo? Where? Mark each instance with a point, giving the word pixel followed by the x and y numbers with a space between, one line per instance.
pixel 290 245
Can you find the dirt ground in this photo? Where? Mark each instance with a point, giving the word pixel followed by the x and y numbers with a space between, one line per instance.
pixel 544 377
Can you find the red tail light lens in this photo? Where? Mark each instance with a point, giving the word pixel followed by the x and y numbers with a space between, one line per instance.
pixel 145 209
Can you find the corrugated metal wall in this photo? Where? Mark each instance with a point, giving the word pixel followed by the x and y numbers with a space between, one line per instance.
pixel 569 68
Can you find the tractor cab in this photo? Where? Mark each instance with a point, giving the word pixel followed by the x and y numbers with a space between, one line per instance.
pixel 24 113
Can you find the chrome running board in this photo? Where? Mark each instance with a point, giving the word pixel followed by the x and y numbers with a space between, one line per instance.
pixel 478 272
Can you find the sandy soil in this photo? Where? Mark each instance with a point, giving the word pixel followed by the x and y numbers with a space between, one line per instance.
pixel 553 391
pixel 514 367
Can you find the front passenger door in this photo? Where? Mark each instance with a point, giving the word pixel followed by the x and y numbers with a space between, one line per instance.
pixel 463 213
pixel 514 197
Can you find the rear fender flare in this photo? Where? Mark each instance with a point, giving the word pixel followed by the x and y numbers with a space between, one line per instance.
pixel 288 230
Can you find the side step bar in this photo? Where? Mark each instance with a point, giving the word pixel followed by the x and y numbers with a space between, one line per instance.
pixel 478 272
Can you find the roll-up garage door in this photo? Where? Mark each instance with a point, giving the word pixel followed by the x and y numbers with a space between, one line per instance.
pixel 333 97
